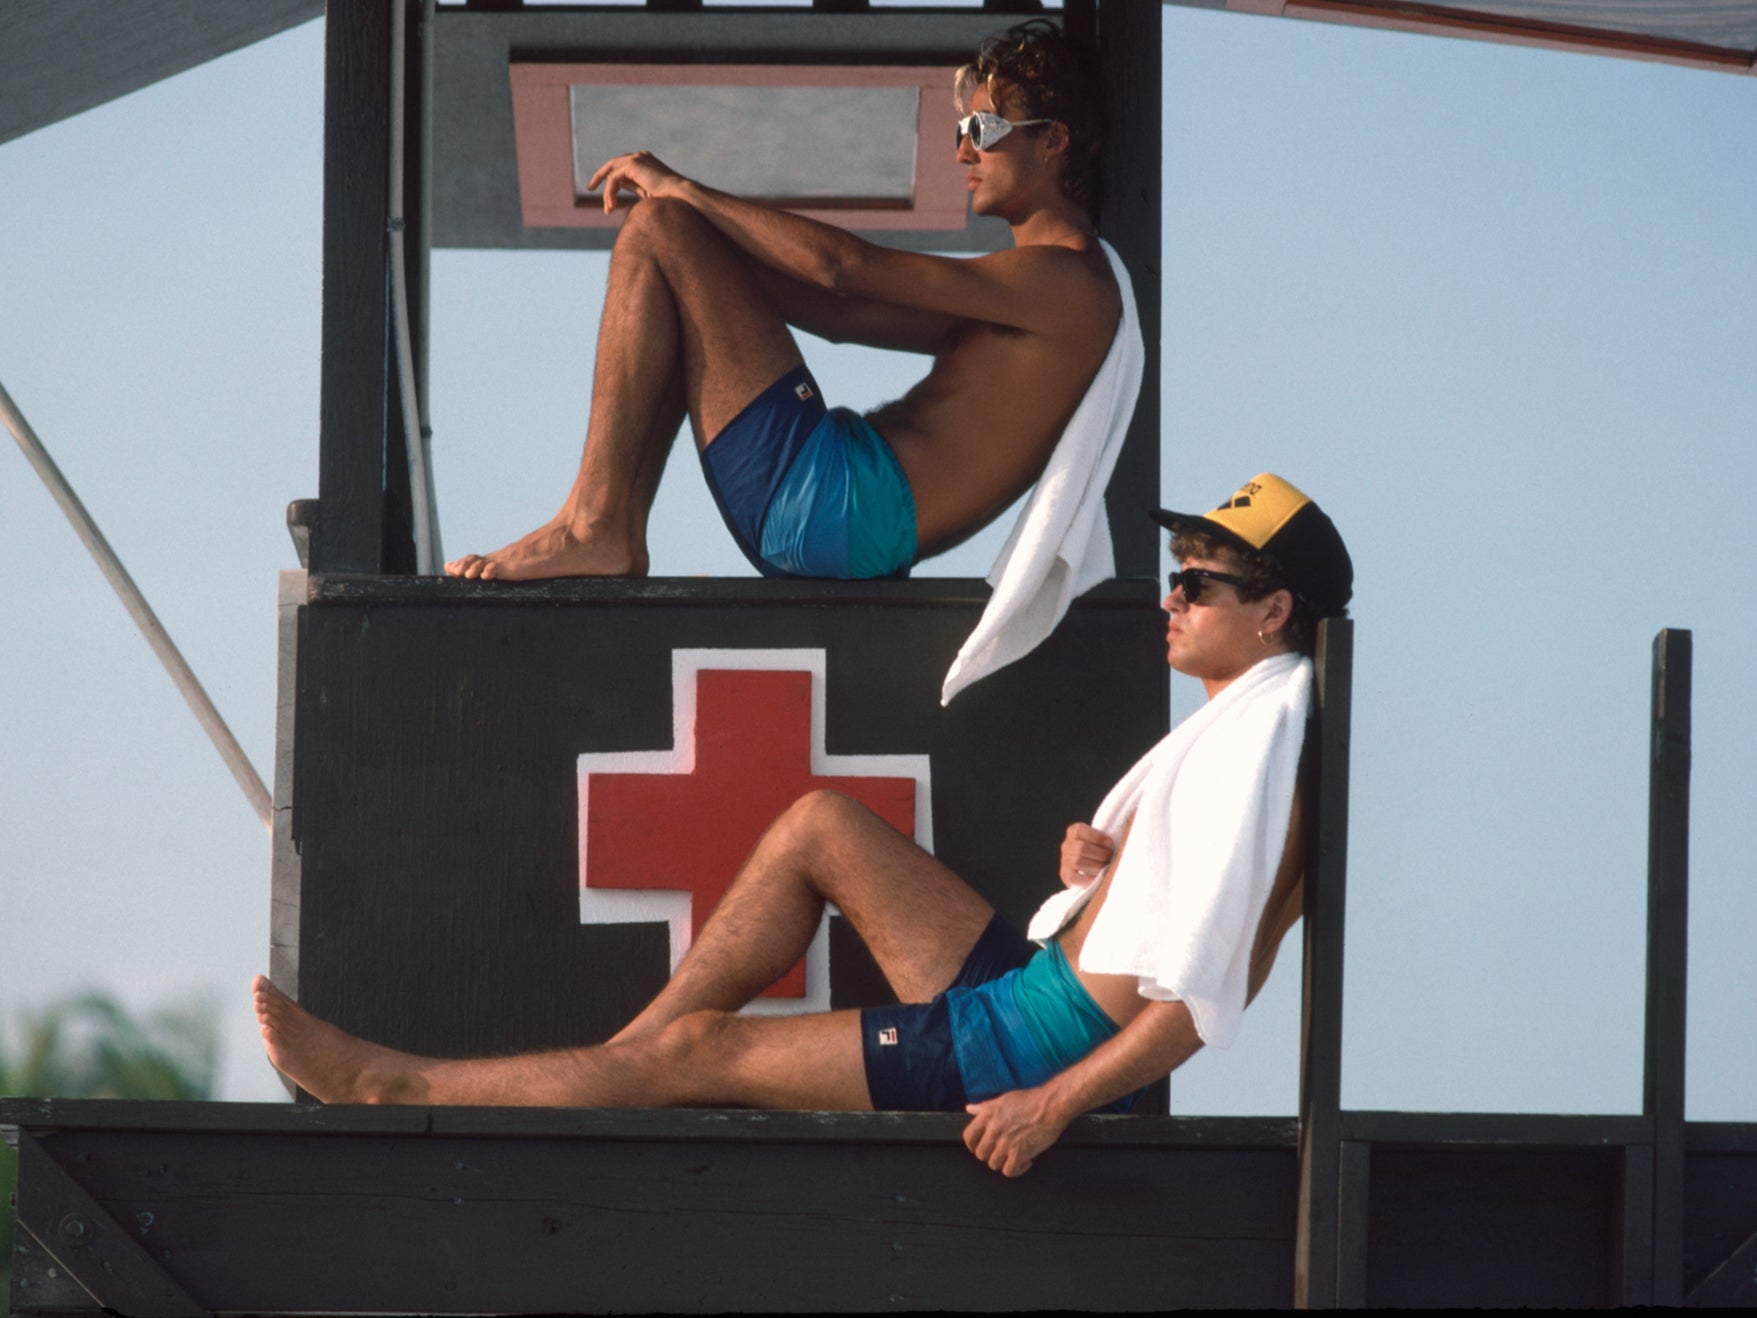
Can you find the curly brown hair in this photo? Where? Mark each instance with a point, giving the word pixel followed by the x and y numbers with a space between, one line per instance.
pixel 1051 76
pixel 1261 579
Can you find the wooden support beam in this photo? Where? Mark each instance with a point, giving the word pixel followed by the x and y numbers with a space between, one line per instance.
pixel 1633 1278
pixel 1129 37
pixel 59 58
pixel 283 924
pixel 1318 1244
pixel 1353 1211
pixel 1732 1285
pixel 1668 911
pixel 405 214
pixel 1549 1130
pixel 418 213
pixel 277 1209
pixel 75 1230
pixel 357 365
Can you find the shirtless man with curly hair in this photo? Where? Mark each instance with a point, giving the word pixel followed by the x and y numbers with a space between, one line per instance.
pixel 705 290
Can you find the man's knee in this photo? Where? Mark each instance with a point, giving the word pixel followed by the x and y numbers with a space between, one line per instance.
pixel 660 224
pixel 823 816
pixel 695 1042
pixel 701 1051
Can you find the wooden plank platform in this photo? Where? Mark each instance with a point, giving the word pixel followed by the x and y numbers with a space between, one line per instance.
pixel 199 1208
pixel 283 1209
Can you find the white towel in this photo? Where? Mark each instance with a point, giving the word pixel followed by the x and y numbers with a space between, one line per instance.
pixel 1060 546
pixel 1211 804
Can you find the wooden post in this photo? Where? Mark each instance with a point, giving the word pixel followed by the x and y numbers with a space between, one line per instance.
pixel 1668 911
pixel 1318 1241
pixel 1128 39
pixel 418 208
pixel 1354 1209
pixel 1632 1279
pixel 357 393
pixel 405 213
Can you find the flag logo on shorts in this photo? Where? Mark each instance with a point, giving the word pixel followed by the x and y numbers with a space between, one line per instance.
pixel 804 392
pixel 887 1036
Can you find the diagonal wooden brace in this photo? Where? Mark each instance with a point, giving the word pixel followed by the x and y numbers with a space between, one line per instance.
pixel 1731 1285
pixel 88 1244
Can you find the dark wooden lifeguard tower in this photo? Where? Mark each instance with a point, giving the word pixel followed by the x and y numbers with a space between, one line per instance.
pixel 435 823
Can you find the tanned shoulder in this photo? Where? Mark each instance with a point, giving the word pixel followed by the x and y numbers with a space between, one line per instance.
pixel 1076 280
pixel 1080 282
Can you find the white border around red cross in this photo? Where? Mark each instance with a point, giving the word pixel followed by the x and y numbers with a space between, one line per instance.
pixel 640 906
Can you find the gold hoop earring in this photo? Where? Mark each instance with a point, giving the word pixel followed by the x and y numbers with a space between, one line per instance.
pixel 1263 638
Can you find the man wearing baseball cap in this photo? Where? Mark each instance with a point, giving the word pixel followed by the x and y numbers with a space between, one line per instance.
pixel 1278 538
pixel 1148 952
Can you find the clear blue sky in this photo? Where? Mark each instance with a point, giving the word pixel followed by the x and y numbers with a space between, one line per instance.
pixel 1491 306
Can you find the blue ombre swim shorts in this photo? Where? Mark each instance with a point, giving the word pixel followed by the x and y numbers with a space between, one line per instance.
pixel 810 491
pixel 1015 1015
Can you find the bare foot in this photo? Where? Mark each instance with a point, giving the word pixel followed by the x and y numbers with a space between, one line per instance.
pixel 553 550
pixel 329 1063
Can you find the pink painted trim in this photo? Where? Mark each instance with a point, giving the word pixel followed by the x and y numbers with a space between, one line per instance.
pixel 545 136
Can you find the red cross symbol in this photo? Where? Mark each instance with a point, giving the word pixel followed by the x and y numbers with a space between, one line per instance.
pixel 690 829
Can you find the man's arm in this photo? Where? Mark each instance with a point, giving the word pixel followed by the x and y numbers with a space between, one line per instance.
pixel 1009 1131
pixel 1029 288
pixel 844 319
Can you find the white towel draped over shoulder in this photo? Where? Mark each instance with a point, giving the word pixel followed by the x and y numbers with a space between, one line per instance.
pixel 1210 804
pixel 1060 547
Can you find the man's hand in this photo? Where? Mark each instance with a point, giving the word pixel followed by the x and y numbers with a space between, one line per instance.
pixel 641 173
pixel 1009 1130
pixel 1085 853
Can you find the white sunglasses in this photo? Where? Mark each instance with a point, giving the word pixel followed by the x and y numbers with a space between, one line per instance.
pixel 985 129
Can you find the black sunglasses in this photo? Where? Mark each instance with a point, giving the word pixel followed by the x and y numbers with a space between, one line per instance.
pixel 1194 581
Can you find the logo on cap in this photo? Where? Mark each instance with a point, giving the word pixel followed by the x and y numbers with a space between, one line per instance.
pixel 1260 508
pixel 1242 499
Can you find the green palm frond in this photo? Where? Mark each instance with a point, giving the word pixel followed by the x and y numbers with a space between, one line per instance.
pixel 90 1046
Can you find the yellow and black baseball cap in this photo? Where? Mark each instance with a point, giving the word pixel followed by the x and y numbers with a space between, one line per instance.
pixel 1268 516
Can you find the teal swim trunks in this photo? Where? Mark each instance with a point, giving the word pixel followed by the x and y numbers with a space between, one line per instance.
pixel 809 491
pixel 1017 1031
pixel 844 508
pixel 1014 1016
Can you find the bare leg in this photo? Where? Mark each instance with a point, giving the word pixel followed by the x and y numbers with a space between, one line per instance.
pixel 707 1058
pixel 668 420
pixel 918 918
pixel 686 326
